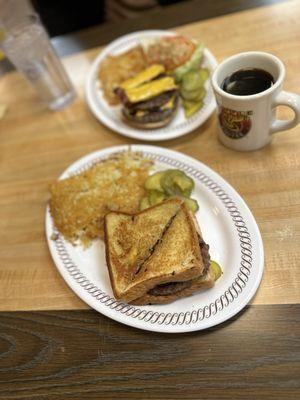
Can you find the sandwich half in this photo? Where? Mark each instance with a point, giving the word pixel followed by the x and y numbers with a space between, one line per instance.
pixel 156 256
pixel 168 292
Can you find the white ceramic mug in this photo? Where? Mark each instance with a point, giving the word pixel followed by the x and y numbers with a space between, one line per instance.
pixel 248 122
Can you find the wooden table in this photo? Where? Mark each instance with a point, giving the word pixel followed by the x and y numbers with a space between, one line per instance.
pixel 52 346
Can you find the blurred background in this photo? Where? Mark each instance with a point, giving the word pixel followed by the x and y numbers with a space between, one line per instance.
pixel 65 16
pixel 75 26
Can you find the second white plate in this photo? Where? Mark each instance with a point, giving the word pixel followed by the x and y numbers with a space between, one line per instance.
pixel 111 115
pixel 227 226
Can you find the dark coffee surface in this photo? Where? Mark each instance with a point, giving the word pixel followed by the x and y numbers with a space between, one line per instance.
pixel 249 81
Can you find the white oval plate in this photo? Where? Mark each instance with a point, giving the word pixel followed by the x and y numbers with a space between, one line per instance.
pixel 111 115
pixel 227 226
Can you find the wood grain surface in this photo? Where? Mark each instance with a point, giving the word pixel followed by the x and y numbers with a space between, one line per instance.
pixel 84 355
pixel 36 145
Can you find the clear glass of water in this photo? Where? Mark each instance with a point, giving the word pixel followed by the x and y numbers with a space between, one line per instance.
pixel 28 47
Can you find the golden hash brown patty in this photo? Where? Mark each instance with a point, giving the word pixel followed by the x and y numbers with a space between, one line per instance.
pixel 117 69
pixel 78 204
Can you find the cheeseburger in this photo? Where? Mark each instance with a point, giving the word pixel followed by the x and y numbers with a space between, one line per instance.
pixel 149 99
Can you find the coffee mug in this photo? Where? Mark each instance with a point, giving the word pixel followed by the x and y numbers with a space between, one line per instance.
pixel 247 122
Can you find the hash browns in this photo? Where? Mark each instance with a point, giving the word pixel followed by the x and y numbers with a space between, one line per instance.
pixel 116 69
pixel 78 204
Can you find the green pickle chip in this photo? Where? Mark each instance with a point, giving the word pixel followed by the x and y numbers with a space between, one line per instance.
pixel 144 203
pixel 192 205
pixel 177 183
pixel 217 269
pixel 192 95
pixel 204 74
pixel 153 182
pixel 192 80
pixel 155 197
pixel 191 109
pixel 166 184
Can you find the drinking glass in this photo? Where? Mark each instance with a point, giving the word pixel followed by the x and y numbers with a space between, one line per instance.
pixel 27 46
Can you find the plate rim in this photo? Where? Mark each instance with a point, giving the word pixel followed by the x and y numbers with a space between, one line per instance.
pixel 122 317
pixel 129 131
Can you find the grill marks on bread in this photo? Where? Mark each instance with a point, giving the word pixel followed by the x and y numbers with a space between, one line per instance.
pixel 152 249
pixel 131 239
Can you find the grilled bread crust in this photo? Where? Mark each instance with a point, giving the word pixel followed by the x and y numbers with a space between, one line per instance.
pixel 125 245
pixel 175 254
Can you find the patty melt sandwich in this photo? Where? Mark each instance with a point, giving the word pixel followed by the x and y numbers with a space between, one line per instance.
pixel 156 256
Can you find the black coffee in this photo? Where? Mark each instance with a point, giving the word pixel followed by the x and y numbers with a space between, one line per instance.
pixel 247 81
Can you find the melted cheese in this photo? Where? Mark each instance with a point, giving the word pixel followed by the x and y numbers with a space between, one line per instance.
pixel 140 113
pixel 169 104
pixel 150 89
pixel 145 76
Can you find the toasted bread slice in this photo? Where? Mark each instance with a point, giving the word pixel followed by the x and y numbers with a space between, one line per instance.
pixel 130 240
pixel 203 282
pixel 157 246
pixel 170 292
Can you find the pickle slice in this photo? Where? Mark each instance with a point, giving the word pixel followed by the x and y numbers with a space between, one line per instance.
pixel 192 94
pixel 204 74
pixel 191 108
pixel 145 203
pixel 194 80
pixel 177 183
pixel 192 205
pixel 153 182
pixel 200 96
pixel 216 269
pixel 155 197
pixel 192 64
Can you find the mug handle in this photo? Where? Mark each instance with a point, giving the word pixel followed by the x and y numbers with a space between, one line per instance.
pixel 291 100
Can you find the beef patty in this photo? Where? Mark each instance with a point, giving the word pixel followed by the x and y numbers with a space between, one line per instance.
pixel 169 288
pixel 154 103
